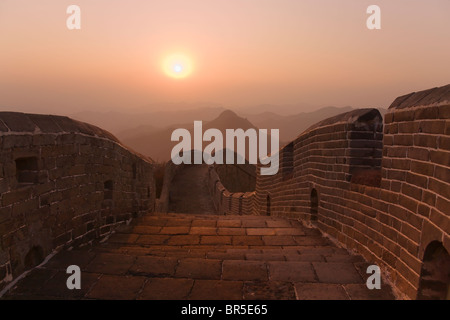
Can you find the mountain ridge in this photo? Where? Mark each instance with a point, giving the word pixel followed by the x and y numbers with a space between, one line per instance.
pixel 150 134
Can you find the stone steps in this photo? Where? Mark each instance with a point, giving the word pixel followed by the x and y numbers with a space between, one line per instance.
pixel 178 256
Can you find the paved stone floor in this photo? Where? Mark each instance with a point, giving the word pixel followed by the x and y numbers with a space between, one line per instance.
pixel 194 257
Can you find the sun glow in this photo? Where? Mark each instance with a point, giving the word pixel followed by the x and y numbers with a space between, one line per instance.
pixel 177 66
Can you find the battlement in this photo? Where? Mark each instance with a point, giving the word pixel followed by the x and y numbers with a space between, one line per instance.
pixel 382 189
pixel 225 201
pixel 63 183
pixel 22 123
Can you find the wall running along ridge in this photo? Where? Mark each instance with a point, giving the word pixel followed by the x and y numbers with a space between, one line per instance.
pixel 63 183
pixel 385 196
pixel 227 202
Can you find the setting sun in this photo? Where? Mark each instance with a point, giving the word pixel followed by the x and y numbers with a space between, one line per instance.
pixel 177 66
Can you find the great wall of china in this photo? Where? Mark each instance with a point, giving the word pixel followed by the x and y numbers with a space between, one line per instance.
pixel 378 187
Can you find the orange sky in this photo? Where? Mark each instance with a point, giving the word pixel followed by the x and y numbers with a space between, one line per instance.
pixel 310 53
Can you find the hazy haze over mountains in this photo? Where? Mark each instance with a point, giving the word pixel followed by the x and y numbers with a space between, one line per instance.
pixel 117 122
pixel 158 145
pixel 150 133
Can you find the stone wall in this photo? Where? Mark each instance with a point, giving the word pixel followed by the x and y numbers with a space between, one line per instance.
pixel 227 202
pixel 170 171
pixel 63 183
pixel 385 196
pixel 416 182
pixel 329 154
pixel 237 177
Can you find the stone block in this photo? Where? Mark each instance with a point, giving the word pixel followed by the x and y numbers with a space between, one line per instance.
pixel 166 289
pixel 320 291
pixel 244 270
pixel 291 271
pixel 150 266
pixel 216 290
pixel 199 269
pixel 117 288
pixel 337 272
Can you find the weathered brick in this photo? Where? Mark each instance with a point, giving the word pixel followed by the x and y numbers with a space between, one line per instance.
pixel 402 164
pixel 167 289
pixel 396 175
pixel 440 157
pixel 199 269
pixel 443 205
pixel 423 168
pixel 397 212
pixel 116 288
pixel 433 127
pixel 419 154
pixel 426 113
pixel 336 272
pixel 439 187
pixel 407 272
pixel 14 141
pixel 388 196
pixel 388 140
pixel 388 117
pixel 417 180
pixel 389 232
pixel 247 240
pixel 429 233
pixel 408 127
pixel 428 198
pixel 423 210
pixel 5 213
pixel 411 232
pixel 408 203
pixel 397 152
pixel 444 112
pixel 216 290
pixel 244 270
pixel 391 128
pixel 444 142
pixel 403 139
pixel 384 218
pixel 406 115
pixel 425 140
pixel 215 240
pixel 412 191
pixel 182 240
pixel 389 258
pixel 16 196
pixel 175 230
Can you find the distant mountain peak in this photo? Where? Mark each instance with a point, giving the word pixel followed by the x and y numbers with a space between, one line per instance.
pixel 227 114
pixel 229 120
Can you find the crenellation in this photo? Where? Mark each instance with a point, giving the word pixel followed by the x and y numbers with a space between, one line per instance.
pixel 393 199
pixel 53 171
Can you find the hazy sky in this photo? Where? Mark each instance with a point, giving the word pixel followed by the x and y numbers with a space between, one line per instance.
pixel 309 53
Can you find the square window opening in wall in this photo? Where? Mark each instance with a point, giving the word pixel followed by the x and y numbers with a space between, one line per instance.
pixel 287 161
pixel 108 190
pixel 27 170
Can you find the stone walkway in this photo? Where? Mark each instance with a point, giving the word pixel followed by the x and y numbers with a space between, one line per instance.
pixel 194 257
